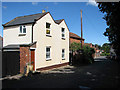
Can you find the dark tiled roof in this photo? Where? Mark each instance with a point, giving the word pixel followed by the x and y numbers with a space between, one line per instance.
pixel 18 45
pixel 28 19
pixel 73 35
pixel 58 21
pixel 11 46
pixel 25 19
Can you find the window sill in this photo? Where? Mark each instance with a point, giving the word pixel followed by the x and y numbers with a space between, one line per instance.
pixel 48 59
pixel 63 58
pixel 63 38
pixel 48 35
pixel 22 34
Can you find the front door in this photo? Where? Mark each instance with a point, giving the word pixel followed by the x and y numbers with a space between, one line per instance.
pixel 33 58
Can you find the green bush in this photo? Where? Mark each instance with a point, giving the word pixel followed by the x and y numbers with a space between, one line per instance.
pixel 105 54
pixel 86 52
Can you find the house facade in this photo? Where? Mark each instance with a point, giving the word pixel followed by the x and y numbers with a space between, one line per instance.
pixel 41 40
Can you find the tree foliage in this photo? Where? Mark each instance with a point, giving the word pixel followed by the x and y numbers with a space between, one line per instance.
pixel 106 47
pixel 112 17
pixel 86 52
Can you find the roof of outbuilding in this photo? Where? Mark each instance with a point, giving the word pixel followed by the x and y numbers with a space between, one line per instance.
pixel 73 35
pixel 12 46
pixel 25 19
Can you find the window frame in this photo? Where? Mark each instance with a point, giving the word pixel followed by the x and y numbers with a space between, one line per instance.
pixel 48 29
pixel 63 33
pixel 63 54
pixel 22 28
pixel 48 53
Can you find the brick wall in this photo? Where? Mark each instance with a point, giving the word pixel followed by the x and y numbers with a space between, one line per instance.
pixel 24 57
pixel 75 40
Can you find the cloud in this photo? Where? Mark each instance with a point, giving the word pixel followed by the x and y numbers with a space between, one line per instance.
pixel 92 2
pixel 55 3
pixel 4 7
pixel 34 3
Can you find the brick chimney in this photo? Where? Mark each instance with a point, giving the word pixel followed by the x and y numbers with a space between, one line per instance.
pixel 43 11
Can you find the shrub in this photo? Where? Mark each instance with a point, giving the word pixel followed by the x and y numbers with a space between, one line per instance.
pixel 86 53
pixel 105 54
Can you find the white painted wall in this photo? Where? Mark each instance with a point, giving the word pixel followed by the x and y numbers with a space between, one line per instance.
pixel 55 42
pixel 11 35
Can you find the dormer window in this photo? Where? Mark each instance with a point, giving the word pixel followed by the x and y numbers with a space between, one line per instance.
pixel 63 33
pixel 22 29
pixel 48 29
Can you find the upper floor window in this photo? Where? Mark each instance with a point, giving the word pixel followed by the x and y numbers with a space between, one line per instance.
pixel 63 33
pixel 48 28
pixel 22 29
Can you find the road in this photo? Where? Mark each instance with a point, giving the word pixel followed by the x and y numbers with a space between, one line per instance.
pixel 103 73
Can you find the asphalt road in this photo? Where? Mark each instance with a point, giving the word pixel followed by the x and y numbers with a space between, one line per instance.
pixel 102 73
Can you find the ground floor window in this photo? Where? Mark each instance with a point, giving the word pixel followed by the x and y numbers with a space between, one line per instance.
pixel 48 53
pixel 63 53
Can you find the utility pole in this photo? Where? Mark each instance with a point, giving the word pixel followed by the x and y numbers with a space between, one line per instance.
pixel 81 30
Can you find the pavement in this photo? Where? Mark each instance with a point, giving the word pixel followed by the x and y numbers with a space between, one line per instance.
pixel 103 73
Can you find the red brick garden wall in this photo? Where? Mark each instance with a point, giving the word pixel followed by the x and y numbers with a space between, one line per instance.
pixel 24 57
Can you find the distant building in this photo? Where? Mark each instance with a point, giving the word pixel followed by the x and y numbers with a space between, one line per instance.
pixel 88 44
pixel 75 38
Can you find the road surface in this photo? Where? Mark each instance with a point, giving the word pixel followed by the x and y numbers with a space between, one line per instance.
pixel 101 74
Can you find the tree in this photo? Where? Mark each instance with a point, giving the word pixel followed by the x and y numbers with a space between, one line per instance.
pixel 112 17
pixel 106 47
pixel 98 46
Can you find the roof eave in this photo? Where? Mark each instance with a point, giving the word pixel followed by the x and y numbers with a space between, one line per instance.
pixel 17 24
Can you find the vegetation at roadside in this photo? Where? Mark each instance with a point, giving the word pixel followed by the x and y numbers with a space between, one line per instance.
pixel 112 17
pixel 106 48
pixel 105 54
pixel 85 54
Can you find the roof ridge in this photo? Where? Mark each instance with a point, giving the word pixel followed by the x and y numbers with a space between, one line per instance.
pixel 59 19
pixel 29 15
pixel 23 16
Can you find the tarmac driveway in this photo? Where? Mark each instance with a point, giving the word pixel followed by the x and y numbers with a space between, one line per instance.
pixel 101 74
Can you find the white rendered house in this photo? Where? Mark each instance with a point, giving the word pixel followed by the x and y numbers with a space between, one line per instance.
pixel 44 41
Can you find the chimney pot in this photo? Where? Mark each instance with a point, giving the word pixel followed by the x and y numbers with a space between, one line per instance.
pixel 43 11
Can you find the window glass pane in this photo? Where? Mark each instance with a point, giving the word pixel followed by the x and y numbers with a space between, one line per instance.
pixel 20 29
pixel 63 53
pixel 47 25
pixel 63 35
pixel 47 52
pixel 63 30
pixel 47 49
pixel 63 50
pixel 47 31
pixel 24 30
